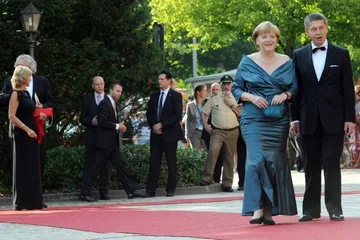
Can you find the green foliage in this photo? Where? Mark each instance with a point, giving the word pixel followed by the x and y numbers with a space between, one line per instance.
pixel 64 167
pixel 218 24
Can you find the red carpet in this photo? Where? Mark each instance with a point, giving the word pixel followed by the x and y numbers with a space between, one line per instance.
pixel 106 219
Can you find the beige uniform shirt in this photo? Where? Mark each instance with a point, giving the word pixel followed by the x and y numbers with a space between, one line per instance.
pixel 221 114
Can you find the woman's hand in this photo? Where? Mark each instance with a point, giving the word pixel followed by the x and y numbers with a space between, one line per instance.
pixel 259 102
pixel 31 133
pixel 42 116
pixel 279 99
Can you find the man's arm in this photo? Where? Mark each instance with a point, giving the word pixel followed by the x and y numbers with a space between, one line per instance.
pixel 85 119
pixel 103 116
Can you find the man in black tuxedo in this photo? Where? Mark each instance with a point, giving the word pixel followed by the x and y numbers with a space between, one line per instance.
pixel 107 146
pixel 163 114
pixel 39 87
pixel 88 118
pixel 321 113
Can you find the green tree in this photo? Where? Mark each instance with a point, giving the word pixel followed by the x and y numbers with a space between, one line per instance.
pixel 218 24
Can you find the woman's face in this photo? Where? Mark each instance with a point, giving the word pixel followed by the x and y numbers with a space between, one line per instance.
pixel 267 41
pixel 202 93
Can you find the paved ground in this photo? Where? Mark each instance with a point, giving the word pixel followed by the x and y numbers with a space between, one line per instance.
pixel 351 203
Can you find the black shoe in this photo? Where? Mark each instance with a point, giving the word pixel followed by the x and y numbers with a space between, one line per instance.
pixel 44 205
pixel 306 218
pixel 268 222
pixel 227 189
pixel 240 188
pixel 337 217
pixel 104 196
pixel 170 194
pixel 256 220
pixel 137 193
pixel 204 183
pixel 87 198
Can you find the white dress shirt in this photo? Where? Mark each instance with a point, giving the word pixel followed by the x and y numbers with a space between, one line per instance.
pixel 30 88
pixel 166 91
pixel 114 107
pixel 319 58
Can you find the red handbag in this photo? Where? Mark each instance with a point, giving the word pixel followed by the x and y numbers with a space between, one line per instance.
pixel 39 124
pixel 47 111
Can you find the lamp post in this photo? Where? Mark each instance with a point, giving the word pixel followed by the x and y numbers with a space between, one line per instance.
pixel 30 18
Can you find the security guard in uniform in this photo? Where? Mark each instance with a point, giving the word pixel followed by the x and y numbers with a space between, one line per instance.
pixel 224 131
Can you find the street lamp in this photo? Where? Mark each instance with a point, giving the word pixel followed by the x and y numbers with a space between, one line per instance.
pixel 30 18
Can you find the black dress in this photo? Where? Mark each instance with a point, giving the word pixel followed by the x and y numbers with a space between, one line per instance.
pixel 27 174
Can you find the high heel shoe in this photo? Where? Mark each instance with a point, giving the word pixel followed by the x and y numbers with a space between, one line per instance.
pixel 257 220
pixel 268 222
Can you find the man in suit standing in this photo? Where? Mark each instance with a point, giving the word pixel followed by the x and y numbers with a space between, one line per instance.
pixel 107 146
pixel 163 114
pixel 39 88
pixel 321 113
pixel 88 118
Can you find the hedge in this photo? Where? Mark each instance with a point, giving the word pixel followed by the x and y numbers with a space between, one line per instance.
pixel 64 167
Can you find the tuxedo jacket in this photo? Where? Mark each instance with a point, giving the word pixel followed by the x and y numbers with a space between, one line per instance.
pixel 332 99
pixel 41 87
pixel 88 112
pixel 107 136
pixel 190 123
pixel 170 115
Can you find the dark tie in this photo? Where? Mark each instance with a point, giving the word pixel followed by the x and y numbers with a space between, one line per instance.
pixel 160 106
pixel 318 48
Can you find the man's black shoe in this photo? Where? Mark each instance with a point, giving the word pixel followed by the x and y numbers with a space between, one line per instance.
pixel 137 193
pixel 337 217
pixel 87 198
pixel 227 189
pixel 170 194
pixel 307 218
pixel 240 188
pixel 104 196
pixel 204 183
pixel 44 205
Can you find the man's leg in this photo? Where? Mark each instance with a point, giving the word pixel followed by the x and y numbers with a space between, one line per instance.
pixel 216 143
pixel 156 152
pixel 230 143
pixel 170 153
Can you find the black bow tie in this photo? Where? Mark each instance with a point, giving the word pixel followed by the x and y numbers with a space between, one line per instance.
pixel 318 48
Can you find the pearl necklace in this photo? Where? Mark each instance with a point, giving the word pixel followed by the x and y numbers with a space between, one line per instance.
pixel 267 63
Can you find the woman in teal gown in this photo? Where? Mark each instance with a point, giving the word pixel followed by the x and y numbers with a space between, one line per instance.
pixel 265 80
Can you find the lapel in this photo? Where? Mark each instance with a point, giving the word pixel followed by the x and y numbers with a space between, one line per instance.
pixel 112 116
pixel 157 97
pixel 167 99
pixel 35 87
pixel 329 59
pixel 308 55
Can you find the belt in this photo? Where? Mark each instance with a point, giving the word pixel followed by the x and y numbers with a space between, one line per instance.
pixel 230 129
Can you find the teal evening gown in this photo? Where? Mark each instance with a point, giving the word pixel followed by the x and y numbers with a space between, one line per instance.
pixel 267 178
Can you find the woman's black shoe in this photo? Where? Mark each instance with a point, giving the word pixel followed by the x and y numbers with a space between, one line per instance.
pixel 257 220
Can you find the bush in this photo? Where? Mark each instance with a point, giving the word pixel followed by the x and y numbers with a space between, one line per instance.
pixel 64 167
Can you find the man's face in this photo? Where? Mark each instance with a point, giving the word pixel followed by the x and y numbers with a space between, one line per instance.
pixel 116 92
pixel 317 31
pixel 164 83
pixel 98 85
pixel 21 62
pixel 226 86
pixel 215 89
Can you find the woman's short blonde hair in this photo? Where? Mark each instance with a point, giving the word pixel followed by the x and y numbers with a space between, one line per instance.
pixel 265 27
pixel 21 74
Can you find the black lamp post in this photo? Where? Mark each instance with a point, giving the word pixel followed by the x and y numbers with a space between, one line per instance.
pixel 30 18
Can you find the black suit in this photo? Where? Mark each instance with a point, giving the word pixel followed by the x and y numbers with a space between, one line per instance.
pixel 42 89
pixel 107 148
pixel 88 112
pixel 167 141
pixel 322 107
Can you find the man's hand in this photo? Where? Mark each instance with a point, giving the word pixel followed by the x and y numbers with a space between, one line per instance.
pixel 157 128
pixel 208 128
pixel 349 128
pixel 94 121
pixel 42 116
pixel 122 127
pixel 295 129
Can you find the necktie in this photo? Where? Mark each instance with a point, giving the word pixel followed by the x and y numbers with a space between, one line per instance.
pixel 160 106
pixel 98 99
pixel 318 48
